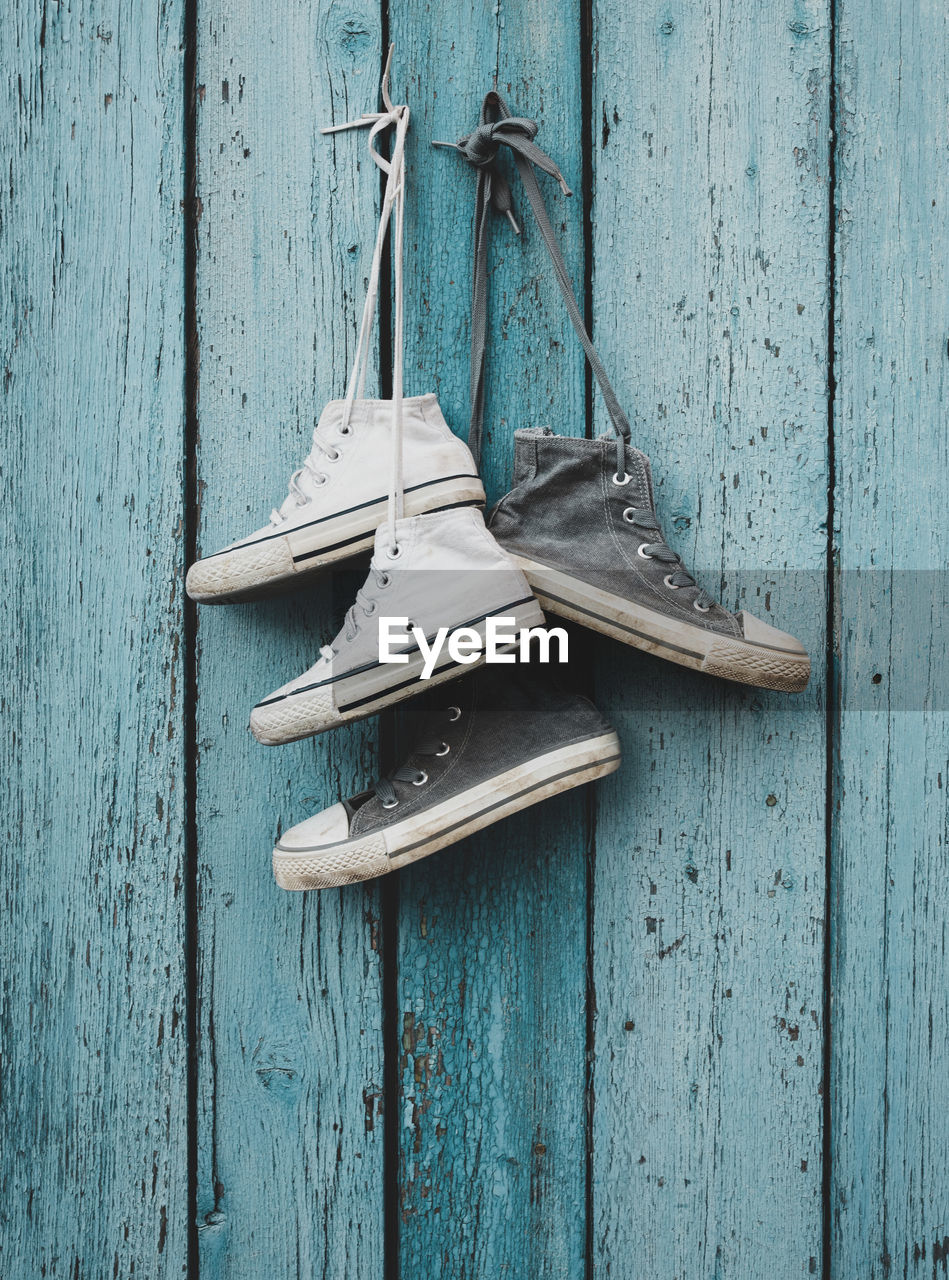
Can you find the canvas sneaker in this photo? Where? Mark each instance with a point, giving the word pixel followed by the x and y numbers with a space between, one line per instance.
pixel 590 544
pixel 497 742
pixel 338 498
pixel 368 457
pixel 441 570
pixel 580 519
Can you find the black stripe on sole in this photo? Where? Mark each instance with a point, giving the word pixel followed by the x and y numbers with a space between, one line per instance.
pixel 360 506
pixel 374 666
pixel 322 551
pixel 590 737
pixel 621 626
pixel 499 804
pixel 754 644
pixel 404 684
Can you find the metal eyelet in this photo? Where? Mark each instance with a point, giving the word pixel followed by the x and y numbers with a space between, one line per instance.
pixel 346 431
pixel 421 780
pixel 641 553
pixel 702 608
pixel 394 552
pixel 334 456
pixel 629 515
pixel 391 805
pixel 454 713
pixel 384 580
pixel 444 749
pixel 667 582
pixel 371 610
pixel 321 479
pixel 625 480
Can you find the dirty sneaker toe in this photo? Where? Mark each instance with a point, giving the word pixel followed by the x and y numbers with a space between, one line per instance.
pixel 500 742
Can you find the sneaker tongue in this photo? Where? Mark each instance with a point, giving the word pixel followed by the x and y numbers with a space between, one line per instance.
pixel 355 803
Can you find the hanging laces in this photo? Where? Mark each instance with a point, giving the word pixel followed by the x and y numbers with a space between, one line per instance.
pixel 393 198
pixel 480 148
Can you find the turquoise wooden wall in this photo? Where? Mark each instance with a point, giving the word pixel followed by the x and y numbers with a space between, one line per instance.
pixel 693 1024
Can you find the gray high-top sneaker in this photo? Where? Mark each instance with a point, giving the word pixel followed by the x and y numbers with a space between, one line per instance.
pixel 338 498
pixel 437 572
pixel 590 544
pixel 500 742
pixel 580 518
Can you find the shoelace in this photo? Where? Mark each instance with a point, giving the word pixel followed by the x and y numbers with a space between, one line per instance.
pixel 319 446
pixel 397 117
pixel 364 602
pixel 480 148
pixel 646 520
pixel 384 787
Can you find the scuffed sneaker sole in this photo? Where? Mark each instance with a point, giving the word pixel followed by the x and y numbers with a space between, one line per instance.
pixel 279 562
pixel 367 856
pixel 729 657
pixel 244 573
pixel 302 714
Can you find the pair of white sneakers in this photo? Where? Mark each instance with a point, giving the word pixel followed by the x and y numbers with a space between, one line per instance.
pixel 436 566
pixel 434 562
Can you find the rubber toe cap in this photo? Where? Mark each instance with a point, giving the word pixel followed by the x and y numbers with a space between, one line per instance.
pixel 294 710
pixel 239 570
pixel 324 829
pixel 757 632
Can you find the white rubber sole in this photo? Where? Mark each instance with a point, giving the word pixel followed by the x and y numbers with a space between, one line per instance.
pixel 414 838
pixel 365 693
pixel 279 561
pixel 726 656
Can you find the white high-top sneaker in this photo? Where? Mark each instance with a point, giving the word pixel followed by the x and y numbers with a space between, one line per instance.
pixel 337 499
pixel 441 570
pixel 365 452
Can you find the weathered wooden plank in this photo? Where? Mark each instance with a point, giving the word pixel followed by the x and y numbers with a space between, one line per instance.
pixel 890 1036
pixel 93 1164
pixel 492 933
pixel 710 302
pixel 290 1177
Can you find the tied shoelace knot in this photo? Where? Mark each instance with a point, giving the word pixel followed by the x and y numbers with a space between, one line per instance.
pixel 497 127
pixel 480 149
pixel 394 116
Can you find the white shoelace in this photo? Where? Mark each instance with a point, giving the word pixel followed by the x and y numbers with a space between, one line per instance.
pixel 393 198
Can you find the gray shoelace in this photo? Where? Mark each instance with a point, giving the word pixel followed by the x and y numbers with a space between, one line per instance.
pixel 646 520
pixel 364 602
pixel 384 788
pixel 480 147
